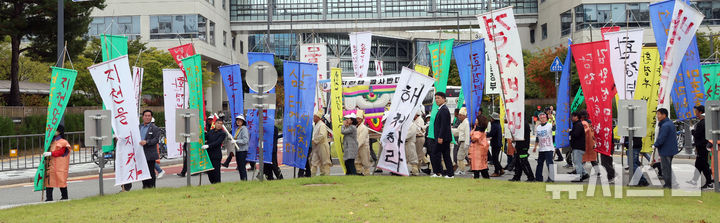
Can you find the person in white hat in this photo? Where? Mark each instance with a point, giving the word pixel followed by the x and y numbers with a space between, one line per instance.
pixel 349 144
pixel 320 155
pixel 463 133
pixel 241 139
pixel 362 163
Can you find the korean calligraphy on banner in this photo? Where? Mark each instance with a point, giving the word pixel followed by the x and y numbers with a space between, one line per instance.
pixel 593 66
pixel 647 90
pixel 502 35
pixel 232 78
pixel 61 86
pixel 181 52
pixel 360 50
pixel 316 53
pixel 137 83
pixel 336 110
pixel 175 93
pixel 114 82
pixel 300 81
pixel 371 94
pixel 412 89
pixel 471 67
pixel 199 160
pixel 562 120
pixel 711 81
pixel 679 55
pixel 625 49
pixel 253 119
pixel 440 55
pixel 379 71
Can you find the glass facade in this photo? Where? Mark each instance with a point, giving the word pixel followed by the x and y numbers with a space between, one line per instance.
pixel 257 10
pixel 566 23
pixel 711 9
pixel 618 14
pixel 120 25
pixel 172 26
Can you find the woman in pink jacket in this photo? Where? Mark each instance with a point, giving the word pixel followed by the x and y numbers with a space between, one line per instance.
pixel 58 164
pixel 478 152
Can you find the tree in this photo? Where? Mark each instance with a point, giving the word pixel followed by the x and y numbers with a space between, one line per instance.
pixel 28 69
pixel 37 20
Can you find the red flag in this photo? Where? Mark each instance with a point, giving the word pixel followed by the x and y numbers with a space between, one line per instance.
pixel 180 52
pixel 604 30
pixel 593 65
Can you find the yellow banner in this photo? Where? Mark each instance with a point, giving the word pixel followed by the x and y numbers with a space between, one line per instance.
pixel 502 124
pixel 422 69
pixel 647 89
pixel 336 112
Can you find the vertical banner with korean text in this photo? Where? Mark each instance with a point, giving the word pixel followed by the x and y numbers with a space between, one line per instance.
pixel 502 33
pixel 647 90
pixel 254 122
pixel 625 50
pixel 113 79
pixel 316 53
pixel 562 119
pixel 411 90
pixel 379 71
pixel 675 37
pixel 422 69
pixel 300 81
pixel 471 68
pixel 232 78
pixel 181 52
pixel 360 50
pixel 593 67
pixel 711 81
pixel 137 84
pixel 113 46
pixel 440 55
pixel 199 160
pixel 336 111
pixel 61 85
pixel 175 94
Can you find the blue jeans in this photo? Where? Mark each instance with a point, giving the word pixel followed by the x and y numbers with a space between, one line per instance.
pixel 157 168
pixel 638 162
pixel 577 156
pixel 547 158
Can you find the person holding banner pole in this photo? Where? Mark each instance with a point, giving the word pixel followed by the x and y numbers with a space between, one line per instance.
pixel 349 145
pixel 58 164
pixel 463 132
pixel 521 157
pixel 320 155
pixel 362 163
pixel 272 170
pixel 495 136
pixel 420 138
pixel 479 149
pixel 215 138
pixel 410 153
pixel 242 138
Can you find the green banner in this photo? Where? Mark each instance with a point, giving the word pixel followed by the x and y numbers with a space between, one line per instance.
pixel 711 80
pixel 440 55
pixel 61 85
pixel 112 47
pixel 199 160
pixel 578 100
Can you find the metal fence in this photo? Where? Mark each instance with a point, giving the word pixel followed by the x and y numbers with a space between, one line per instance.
pixel 25 151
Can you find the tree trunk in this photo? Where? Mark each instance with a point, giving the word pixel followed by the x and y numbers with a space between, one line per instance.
pixel 14 98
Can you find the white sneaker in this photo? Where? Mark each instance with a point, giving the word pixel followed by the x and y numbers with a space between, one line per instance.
pixel 449 177
pixel 435 175
pixel 161 174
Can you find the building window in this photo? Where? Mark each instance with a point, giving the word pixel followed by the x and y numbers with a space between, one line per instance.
pixel 224 38
pixel 566 23
pixel 532 36
pixel 212 2
pixel 619 14
pixel 121 25
pixel 223 4
pixel 233 39
pixel 711 10
pixel 211 33
pixel 242 47
pixel 202 28
pixel 544 31
pixel 174 26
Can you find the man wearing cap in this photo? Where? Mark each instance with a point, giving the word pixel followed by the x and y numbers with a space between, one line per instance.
pixel 495 136
pixel 362 163
pixel 320 156
pixel 463 134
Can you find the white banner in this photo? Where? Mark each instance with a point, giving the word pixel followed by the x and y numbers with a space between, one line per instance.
pixel 379 67
pixel 316 53
pixel 625 49
pixel 137 84
pixel 492 76
pixel 176 94
pixel 684 24
pixel 501 34
pixel 412 89
pixel 360 49
pixel 114 82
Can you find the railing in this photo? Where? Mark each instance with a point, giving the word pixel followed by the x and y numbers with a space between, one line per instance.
pixel 24 111
pixel 28 150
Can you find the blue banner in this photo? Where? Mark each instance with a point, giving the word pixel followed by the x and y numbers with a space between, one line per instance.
pixel 268 118
pixel 232 78
pixel 470 60
pixel 562 118
pixel 300 81
pixel 688 89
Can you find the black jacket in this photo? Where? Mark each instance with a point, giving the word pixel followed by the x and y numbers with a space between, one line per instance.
pixel 637 142
pixel 214 139
pixel 495 134
pixel 577 136
pixel 698 133
pixel 152 137
pixel 442 125
pixel 525 144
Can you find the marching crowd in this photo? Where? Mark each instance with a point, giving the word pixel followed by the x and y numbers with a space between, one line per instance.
pixel 481 146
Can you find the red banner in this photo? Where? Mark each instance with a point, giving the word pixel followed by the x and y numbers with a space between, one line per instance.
pixel 608 29
pixel 180 52
pixel 593 65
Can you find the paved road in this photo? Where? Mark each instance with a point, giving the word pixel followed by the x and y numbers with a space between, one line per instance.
pixel 87 186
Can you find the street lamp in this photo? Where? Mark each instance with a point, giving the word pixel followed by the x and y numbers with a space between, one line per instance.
pixel 292 54
pixel 457 17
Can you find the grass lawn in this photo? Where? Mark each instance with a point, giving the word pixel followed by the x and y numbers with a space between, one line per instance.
pixel 368 199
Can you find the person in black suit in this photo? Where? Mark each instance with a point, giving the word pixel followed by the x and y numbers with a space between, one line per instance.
pixel 443 139
pixel 150 136
pixel 214 139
